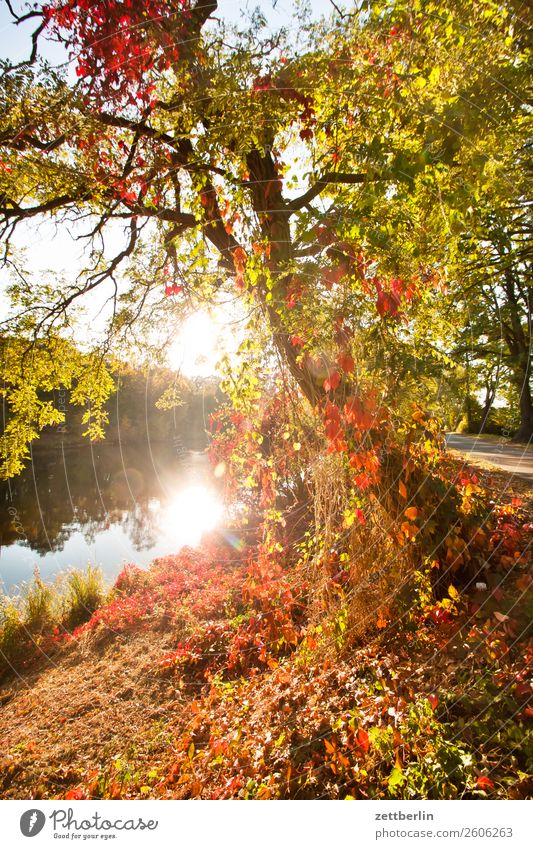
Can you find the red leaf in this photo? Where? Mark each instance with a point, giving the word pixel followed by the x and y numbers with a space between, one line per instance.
pixel 356 415
pixel 332 381
pixel 346 362
pixel 484 783
pixel 239 259
pixel 333 429
pixel 433 700
pixel 362 740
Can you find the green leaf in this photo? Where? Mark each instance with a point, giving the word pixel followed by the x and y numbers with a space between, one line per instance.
pixel 396 778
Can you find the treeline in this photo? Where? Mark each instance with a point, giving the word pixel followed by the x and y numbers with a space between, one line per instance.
pixel 138 412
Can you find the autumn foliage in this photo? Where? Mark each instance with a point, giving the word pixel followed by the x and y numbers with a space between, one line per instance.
pixel 282 704
pixel 118 44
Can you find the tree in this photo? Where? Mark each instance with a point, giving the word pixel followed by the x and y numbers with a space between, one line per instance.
pixel 496 269
pixel 196 138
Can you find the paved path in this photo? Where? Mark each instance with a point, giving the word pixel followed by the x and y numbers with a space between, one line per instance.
pixel 511 458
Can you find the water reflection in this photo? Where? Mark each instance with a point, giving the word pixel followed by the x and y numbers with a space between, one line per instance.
pixel 106 505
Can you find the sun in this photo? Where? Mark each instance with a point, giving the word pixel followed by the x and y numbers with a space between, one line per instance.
pixel 195 510
pixel 203 338
pixel 197 346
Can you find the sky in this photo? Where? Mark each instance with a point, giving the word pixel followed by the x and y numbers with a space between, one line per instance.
pixel 14 40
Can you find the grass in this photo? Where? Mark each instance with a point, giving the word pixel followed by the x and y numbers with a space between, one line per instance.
pixel 38 606
pixel 85 594
pixel 30 620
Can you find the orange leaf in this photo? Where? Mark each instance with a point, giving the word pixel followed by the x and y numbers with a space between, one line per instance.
pixel 363 740
pixel 76 793
pixel 411 513
pixel 402 489
pixel 330 748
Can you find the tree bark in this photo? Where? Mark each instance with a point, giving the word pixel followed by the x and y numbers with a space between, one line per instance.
pixel 520 348
pixel 525 431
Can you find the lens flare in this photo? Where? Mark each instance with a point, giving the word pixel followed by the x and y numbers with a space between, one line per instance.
pixel 195 510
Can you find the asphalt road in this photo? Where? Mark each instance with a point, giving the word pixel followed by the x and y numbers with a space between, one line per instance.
pixel 511 458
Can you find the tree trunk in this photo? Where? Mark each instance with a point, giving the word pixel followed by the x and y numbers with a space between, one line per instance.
pixel 490 394
pixel 273 213
pixel 520 348
pixel 525 431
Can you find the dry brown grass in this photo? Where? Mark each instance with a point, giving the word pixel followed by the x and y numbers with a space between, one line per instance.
pixel 90 704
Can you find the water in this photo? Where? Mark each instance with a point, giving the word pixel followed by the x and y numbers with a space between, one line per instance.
pixel 103 504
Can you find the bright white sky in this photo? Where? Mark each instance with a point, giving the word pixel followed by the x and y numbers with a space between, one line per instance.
pixel 201 339
pixel 14 40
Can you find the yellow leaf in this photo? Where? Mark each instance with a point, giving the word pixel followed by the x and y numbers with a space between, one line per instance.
pixel 452 592
pixel 419 416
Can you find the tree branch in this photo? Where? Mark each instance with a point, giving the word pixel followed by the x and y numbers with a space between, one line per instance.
pixel 326 180
pixel 34 36
pixel 18 212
